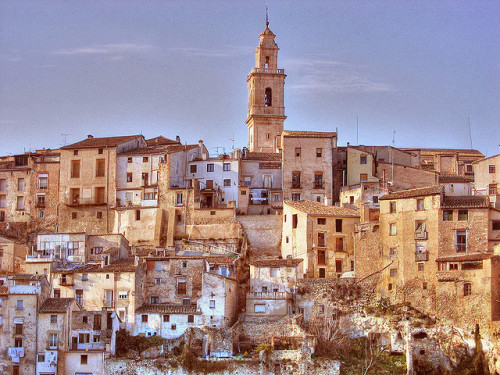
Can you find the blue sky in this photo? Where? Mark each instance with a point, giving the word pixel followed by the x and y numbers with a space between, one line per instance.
pixel 423 69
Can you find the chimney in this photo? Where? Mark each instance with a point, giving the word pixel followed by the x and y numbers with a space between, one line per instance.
pixel 178 139
pixel 90 136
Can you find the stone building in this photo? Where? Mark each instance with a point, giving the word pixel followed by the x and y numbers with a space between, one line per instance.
pixel 12 255
pixel 272 286
pixel 88 178
pixel 266 108
pixel 20 298
pixel 487 178
pixel 360 166
pixel 307 165
pixel 321 236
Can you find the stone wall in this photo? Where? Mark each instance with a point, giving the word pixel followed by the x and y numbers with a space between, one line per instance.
pixel 263 233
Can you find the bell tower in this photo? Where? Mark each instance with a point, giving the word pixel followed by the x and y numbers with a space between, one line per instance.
pixel 266 109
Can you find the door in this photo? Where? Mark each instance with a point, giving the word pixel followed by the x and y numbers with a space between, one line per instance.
pixel 97 322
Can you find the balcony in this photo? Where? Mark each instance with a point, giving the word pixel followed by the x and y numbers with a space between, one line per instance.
pixel 270 295
pixel 421 257
pixel 268 71
pixel 66 281
pixel 108 304
pixel 77 201
pixel 40 204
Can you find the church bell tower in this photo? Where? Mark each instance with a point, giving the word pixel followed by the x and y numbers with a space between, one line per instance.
pixel 266 109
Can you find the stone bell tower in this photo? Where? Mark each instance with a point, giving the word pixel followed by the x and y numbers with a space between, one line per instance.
pixel 266 109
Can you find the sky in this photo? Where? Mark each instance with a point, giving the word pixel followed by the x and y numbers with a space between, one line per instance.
pixel 408 73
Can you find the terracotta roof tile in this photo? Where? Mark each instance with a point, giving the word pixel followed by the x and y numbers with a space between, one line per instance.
pixel 121 265
pixel 308 134
pixel 276 262
pixel 161 308
pixel 101 142
pixel 412 193
pixel 161 140
pixel 56 305
pixel 4 289
pixel 263 156
pixel 470 201
pixel 454 178
pixel 178 148
pixel 444 150
pixel 316 208
pixel 464 257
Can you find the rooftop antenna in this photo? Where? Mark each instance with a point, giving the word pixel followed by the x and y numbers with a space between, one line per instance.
pixel 394 138
pixel 65 135
pixel 470 133
pixel 357 130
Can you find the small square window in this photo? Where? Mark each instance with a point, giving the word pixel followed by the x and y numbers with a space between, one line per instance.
pixel 19 304
pixel 144 318
pixel 100 151
pixel 243 192
pixel 226 167
pixel 212 304
pixel 319 152
pixel 174 327
pixel 467 289
pixel 420 267
pixel 193 168
pixel 363 177
pixel 362 159
pixel 491 168
pixel 420 204
pixel 99 214
pixel 392 207
pixel 227 182
pixel 84 359
pixel 73 215
pixel 321 221
pixel 41 357
pixel 75 152
pixel 145 159
pixel 424 285
pixel 85 277
pixel 297 152
pixel 210 167
pixel 448 215
pixel 190 318
pixel 53 319
pixel 393 252
pixel 166 318
pixel 393 272
pixel 463 215
pixel 129 160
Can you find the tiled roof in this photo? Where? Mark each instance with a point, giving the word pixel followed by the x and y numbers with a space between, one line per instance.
pixel 454 178
pixel 316 208
pixel 121 265
pixel 221 259
pixel 27 277
pixel 276 262
pixel 412 193
pixel 263 156
pixel 145 151
pixel 469 201
pixel 55 305
pixel 161 140
pixel 308 134
pixel 444 150
pixel 101 142
pixel 464 257
pixel 4 289
pixel 161 308
pixel 489 157
pixel 178 148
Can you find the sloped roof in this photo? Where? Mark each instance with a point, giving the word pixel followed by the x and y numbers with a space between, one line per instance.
pixel 469 201
pixel 464 257
pixel 276 262
pixel 489 157
pixel 56 305
pixel 308 134
pixel 162 308
pixel 263 156
pixel 454 178
pixel 101 142
pixel 316 208
pixel 178 148
pixel 412 193
pixel 160 141
pixel 444 150
pixel 121 265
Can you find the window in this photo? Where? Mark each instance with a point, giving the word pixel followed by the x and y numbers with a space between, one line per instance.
pixel 463 215
pixel 3 184
pixel 100 167
pixel 321 221
pixel 392 229
pixel 20 203
pixel 321 257
pixel 123 294
pixel 20 184
pixel 495 225
pixel 295 197
pixel 297 152
pixel 318 180
pixel 84 359
pixel 190 318
pixel 83 338
pixel 173 327
pixel 287 239
pixel 212 304
pixel 210 167
pixel 322 239
pixel 41 214
pixel 375 199
pixel 99 215
pixel 181 286
pixel 53 319
pixel 338 225
pixel 52 340
pixel 420 204
pixel 129 159
pixel 19 304
pixel 295 221
pixel 226 167
pixel 227 182
pixel 363 177
pixel 157 281
pixel 461 241
pixel 276 197
pixel 491 168
pixel 420 266
pixel 424 285
pixel 243 192
pixel 137 215
pixel 100 195
pixel 268 97
pixel 97 338
pixel 41 358
pixel 178 199
pixel 43 181
pixel 247 181
pixel 295 180
pixel 154 299
pixel 259 308
pixel 96 250
pixel 448 215
pixel 393 252
pixel 389 287
pixel 75 168
pixel 338 265
pixel 339 243
pixel 193 168
pixel 319 152
pixel 18 342
pixel 3 201
pixel 166 318
pixel 145 159
pixel 351 199
pixel 79 296
pixel 144 318
pixel 19 329
pixel 492 189
pixel 362 159
pixel 129 176
pixel 392 207
pixel 467 289
pixel 393 272
pixel 184 264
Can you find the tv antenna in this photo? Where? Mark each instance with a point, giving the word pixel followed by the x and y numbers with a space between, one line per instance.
pixel 65 135
pixel 394 138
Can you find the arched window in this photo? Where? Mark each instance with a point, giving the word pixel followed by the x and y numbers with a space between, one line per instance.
pixel 269 97
pixel 266 65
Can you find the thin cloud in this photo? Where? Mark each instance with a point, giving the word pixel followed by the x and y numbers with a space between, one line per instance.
pixel 333 76
pixel 113 49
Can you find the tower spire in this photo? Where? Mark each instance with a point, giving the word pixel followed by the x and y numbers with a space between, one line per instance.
pixel 267 16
